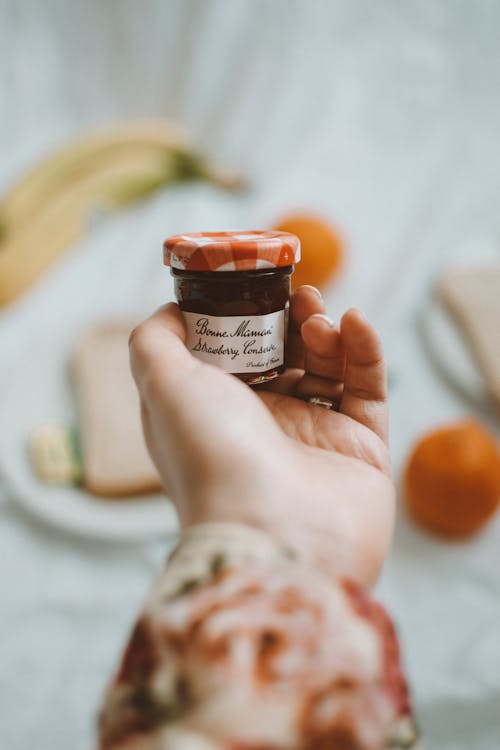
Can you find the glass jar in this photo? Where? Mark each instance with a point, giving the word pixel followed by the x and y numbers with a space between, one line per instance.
pixel 234 291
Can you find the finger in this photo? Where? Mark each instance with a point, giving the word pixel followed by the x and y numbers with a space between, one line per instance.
pixel 293 382
pixel 306 301
pixel 312 386
pixel 324 360
pixel 286 384
pixel 324 351
pixel 157 350
pixel 190 394
pixel 365 381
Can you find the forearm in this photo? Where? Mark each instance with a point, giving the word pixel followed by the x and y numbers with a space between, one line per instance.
pixel 242 647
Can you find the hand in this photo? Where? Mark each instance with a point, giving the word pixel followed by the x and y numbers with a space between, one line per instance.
pixel 317 479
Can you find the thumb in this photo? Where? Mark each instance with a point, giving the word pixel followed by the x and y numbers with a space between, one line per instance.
pixel 176 388
pixel 158 357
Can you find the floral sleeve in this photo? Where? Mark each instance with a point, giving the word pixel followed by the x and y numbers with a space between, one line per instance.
pixel 239 647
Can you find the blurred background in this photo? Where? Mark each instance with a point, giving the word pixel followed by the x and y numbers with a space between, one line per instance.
pixel 382 119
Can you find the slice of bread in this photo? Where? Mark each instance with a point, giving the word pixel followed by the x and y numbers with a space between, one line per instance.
pixel 472 295
pixel 115 459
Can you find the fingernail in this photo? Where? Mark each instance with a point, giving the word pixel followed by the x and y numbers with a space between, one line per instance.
pixel 313 289
pixel 359 313
pixel 325 319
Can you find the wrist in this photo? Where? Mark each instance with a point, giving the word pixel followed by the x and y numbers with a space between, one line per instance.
pixel 249 495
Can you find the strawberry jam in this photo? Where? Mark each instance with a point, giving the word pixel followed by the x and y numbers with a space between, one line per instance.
pixel 234 290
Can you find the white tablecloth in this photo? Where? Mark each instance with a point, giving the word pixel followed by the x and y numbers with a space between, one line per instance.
pixel 385 116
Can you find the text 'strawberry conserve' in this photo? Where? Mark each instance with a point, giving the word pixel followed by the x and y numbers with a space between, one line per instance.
pixel 234 291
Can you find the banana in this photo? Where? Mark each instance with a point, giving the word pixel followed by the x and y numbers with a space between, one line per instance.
pixel 49 208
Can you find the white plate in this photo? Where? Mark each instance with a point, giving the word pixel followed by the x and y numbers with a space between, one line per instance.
pixel 39 392
pixel 446 344
pixel 451 354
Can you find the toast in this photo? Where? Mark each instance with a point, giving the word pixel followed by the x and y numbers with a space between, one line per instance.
pixel 472 295
pixel 115 459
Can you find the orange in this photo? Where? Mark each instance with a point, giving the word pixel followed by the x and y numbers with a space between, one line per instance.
pixel 452 479
pixel 321 248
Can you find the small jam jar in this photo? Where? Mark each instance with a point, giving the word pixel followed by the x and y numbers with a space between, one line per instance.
pixel 234 291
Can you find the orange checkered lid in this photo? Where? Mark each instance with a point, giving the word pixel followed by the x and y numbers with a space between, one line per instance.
pixel 231 251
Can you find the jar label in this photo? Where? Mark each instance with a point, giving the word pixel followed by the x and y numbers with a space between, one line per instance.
pixel 239 343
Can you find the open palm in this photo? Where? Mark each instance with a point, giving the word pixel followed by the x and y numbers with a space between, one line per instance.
pixel 319 479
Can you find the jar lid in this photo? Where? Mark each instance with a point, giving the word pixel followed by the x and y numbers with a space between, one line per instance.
pixel 231 251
